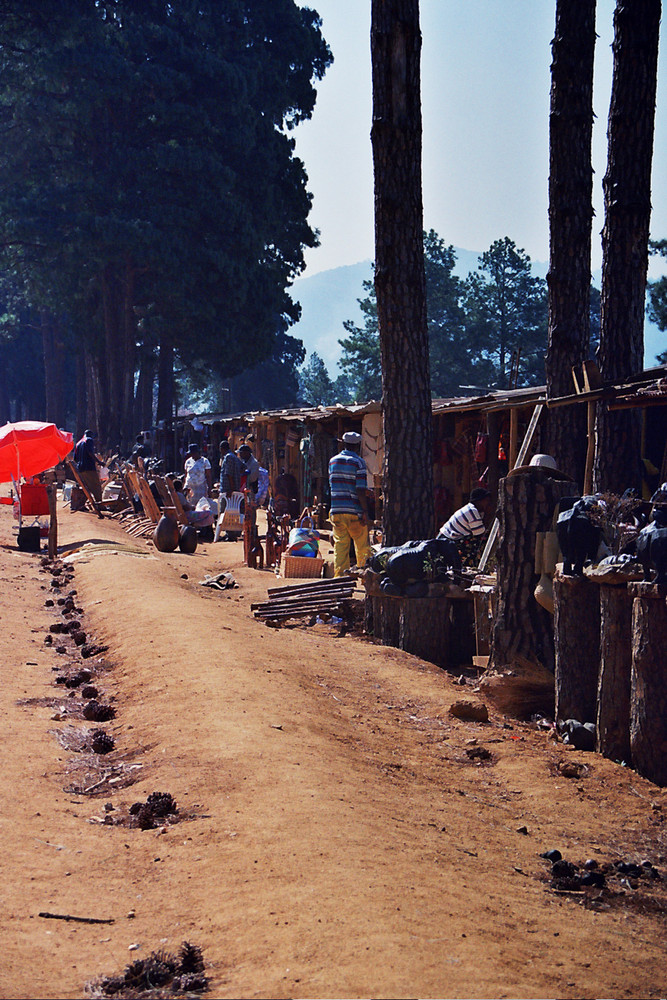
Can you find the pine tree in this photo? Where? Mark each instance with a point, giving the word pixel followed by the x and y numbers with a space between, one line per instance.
pixel 149 165
pixel 506 312
pixel 627 195
pixel 399 270
pixel 570 216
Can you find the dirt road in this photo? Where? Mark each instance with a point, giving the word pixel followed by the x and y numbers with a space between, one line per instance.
pixel 342 836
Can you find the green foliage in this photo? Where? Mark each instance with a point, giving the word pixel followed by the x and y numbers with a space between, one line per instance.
pixel 274 383
pixel 451 359
pixel 474 325
pixel 506 311
pixel 315 385
pixel 146 150
pixel 657 295
pixel 360 360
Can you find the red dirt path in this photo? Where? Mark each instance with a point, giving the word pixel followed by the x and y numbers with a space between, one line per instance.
pixel 344 843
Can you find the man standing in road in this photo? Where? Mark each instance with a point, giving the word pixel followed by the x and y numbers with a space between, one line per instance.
pixel 349 505
pixel 87 463
pixel 251 466
pixel 231 470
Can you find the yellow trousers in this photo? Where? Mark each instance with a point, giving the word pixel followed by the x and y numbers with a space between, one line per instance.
pixel 346 528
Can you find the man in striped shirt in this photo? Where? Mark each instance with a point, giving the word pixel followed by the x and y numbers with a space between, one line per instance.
pixel 467 522
pixel 349 510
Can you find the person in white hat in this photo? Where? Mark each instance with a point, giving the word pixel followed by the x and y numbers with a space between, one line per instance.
pixel 349 504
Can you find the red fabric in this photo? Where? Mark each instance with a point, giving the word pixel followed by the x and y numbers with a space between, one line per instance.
pixel 480 448
pixel 34 500
pixel 30 447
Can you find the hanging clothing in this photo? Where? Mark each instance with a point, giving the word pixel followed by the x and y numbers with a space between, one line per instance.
pixel 372 444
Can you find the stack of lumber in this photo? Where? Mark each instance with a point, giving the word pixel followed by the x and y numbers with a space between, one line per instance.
pixel 300 600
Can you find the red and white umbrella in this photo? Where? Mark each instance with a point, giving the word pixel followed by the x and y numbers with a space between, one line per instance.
pixel 29 447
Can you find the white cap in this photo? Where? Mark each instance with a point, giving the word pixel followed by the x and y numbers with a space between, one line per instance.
pixel 546 461
pixel 351 437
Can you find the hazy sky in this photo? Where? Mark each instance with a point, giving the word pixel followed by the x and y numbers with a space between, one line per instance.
pixel 485 99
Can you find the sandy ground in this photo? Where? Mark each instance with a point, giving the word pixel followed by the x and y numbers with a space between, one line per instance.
pixel 337 840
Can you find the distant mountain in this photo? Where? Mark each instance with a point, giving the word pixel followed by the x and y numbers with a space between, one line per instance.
pixel 327 300
pixel 330 297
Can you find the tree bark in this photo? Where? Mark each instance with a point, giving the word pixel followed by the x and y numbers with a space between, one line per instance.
pixel 577 635
pixel 5 410
pixel 165 374
pixel 648 695
pixel 94 416
pixel 129 329
pixel 627 199
pixel 570 215
pixel 436 629
pixel 111 383
pixel 613 709
pixel 53 351
pixel 526 504
pixel 143 403
pixel 399 270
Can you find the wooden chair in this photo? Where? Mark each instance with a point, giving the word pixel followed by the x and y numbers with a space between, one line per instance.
pixel 172 505
pixel 139 486
pixel 74 472
pixel 181 514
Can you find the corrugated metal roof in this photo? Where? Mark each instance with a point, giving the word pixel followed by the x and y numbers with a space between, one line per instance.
pixel 496 400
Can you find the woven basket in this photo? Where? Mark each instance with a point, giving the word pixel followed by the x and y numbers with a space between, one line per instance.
pixel 301 566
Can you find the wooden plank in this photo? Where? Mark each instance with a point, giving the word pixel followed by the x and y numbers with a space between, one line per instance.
pixel 299 612
pixel 294 595
pixel 80 483
pixel 324 585
pixel 53 521
pixel 137 481
pixel 592 375
pixel 590 449
pixel 311 602
pixel 284 592
pixel 514 436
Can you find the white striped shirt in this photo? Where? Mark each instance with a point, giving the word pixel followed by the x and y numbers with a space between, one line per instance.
pixel 463 523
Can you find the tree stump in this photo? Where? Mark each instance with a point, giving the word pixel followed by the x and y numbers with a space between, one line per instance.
pixel 522 628
pixel 437 629
pixel 577 647
pixel 386 614
pixel 424 628
pixel 648 691
pixel 613 708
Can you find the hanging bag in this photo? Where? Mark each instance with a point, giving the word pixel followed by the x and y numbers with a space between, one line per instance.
pixel 481 448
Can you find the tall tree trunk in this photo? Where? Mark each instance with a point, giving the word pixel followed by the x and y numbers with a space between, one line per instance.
pixel 5 412
pixel 53 350
pixel 570 216
pixel 80 423
pixel 627 197
pixel 112 370
pixel 143 403
pixel 399 270
pixel 522 628
pixel 94 416
pixel 127 428
pixel 165 375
